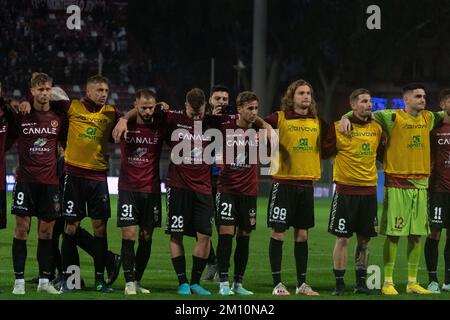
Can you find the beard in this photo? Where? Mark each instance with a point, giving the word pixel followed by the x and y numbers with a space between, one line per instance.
pixel 147 119
pixel 304 105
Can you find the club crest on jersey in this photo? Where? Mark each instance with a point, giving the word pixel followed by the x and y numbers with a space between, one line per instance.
pixel 54 123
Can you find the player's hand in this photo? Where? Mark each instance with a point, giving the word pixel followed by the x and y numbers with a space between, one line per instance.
pixel 120 129
pixel 345 126
pixel 24 107
pixel 59 94
pixel 161 107
pixel 165 106
pixel 217 110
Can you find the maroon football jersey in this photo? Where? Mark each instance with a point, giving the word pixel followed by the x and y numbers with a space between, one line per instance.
pixel 241 175
pixel 193 174
pixel 139 160
pixel 37 141
pixel 440 158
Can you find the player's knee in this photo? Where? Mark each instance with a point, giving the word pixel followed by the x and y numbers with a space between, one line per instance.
pixel 128 234
pixel 100 233
pixel 145 235
pixel 99 230
pixel 45 234
pixel 71 229
pixel 243 233
pixel 393 239
pixel 203 238
pixel 342 242
pixel 301 235
pixel 363 242
pixel 176 239
pixel 414 239
pixel 21 231
pixel 278 235
pixel 203 241
pixel 45 230
pixel 226 230
pixel 435 234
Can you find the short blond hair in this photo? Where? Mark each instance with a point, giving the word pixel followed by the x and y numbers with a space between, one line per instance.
pixel 38 78
pixel 98 79
pixel 354 95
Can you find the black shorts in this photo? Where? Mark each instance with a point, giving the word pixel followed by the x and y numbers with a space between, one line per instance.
pixel 439 212
pixel 290 206
pixel 36 200
pixel 236 210
pixel 214 191
pixel 2 209
pixel 139 208
pixel 353 213
pixel 80 191
pixel 189 212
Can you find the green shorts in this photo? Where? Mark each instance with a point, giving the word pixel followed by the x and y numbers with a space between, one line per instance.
pixel 405 212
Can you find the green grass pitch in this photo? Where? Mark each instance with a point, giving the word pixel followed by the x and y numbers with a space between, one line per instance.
pixel 161 279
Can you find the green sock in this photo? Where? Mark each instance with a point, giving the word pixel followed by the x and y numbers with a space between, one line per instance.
pixel 389 255
pixel 413 254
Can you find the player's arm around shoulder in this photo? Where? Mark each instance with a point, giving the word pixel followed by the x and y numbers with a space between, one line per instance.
pixel 436 117
pixel 162 111
pixel 59 100
pixel 385 118
pixel 216 120
pixel 324 127
pixel 345 125
pixel 121 127
pixel 265 128
pixel 328 148
pixel 379 131
pixel 262 124
pixel 272 119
